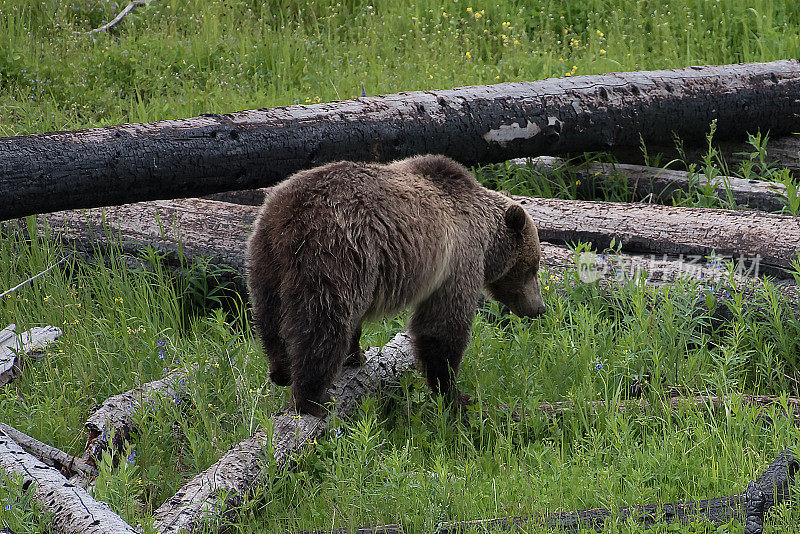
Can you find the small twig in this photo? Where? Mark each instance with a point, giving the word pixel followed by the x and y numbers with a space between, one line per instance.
pixel 32 278
pixel 48 454
pixel 122 14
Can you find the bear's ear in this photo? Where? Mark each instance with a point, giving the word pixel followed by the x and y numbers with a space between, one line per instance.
pixel 516 218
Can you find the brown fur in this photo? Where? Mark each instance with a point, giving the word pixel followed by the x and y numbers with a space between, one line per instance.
pixel 340 244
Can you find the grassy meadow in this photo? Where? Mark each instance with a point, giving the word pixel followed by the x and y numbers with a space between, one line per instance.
pixel 401 461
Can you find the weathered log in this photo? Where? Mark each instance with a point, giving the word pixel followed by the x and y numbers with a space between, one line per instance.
pixel 12 345
pixel 479 124
pixel 239 470
pixel 765 242
pixel 661 185
pixel 75 510
pixel 218 230
pixel 780 153
pixel 768 242
pixel 67 464
pixel 114 417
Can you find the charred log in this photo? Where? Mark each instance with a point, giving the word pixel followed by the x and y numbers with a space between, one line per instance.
pixel 480 124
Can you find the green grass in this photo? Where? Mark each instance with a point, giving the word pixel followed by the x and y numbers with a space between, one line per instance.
pixel 180 58
pixel 405 461
pixel 400 461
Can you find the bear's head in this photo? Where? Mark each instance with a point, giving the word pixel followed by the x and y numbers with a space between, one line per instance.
pixel 518 283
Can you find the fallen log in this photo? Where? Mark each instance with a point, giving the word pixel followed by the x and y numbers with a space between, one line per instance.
pixel 763 404
pixel 767 242
pixel 479 124
pixel 240 470
pixel 219 230
pixel 780 153
pixel 111 423
pixel 773 487
pixel 13 346
pixel 67 464
pixel 75 510
pixel 660 186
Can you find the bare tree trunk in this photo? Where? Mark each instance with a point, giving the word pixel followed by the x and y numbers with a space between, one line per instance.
pixel 216 229
pixel 658 185
pixel 480 124
pixel 75 511
pixel 240 470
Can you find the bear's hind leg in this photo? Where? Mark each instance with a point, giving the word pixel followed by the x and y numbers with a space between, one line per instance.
pixel 317 354
pixel 263 288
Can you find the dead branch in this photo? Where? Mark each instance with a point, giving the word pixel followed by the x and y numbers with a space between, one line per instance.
pixel 75 510
pixel 32 278
pixel 661 185
pixel 107 26
pixel 67 464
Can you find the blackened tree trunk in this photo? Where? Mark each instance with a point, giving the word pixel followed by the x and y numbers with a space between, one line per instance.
pixel 480 124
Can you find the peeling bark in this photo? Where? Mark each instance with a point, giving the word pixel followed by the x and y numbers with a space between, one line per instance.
pixel 13 345
pixel 223 485
pixel 657 185
pixel 67 464
pixel 75 511
pixel 479 124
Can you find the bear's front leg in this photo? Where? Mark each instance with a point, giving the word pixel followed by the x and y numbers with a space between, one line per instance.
pixel 440 330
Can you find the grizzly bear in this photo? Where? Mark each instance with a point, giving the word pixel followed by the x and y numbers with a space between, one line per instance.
pixel 348 242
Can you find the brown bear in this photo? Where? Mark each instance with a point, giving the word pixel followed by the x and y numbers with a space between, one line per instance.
pixel 346 242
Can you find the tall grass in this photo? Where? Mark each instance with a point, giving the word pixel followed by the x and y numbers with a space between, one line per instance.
pixel 180 58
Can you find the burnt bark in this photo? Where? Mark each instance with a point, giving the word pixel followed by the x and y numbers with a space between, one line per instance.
pixel 240 470
pixel 479 124
pixel 656 185
pixel 75 511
